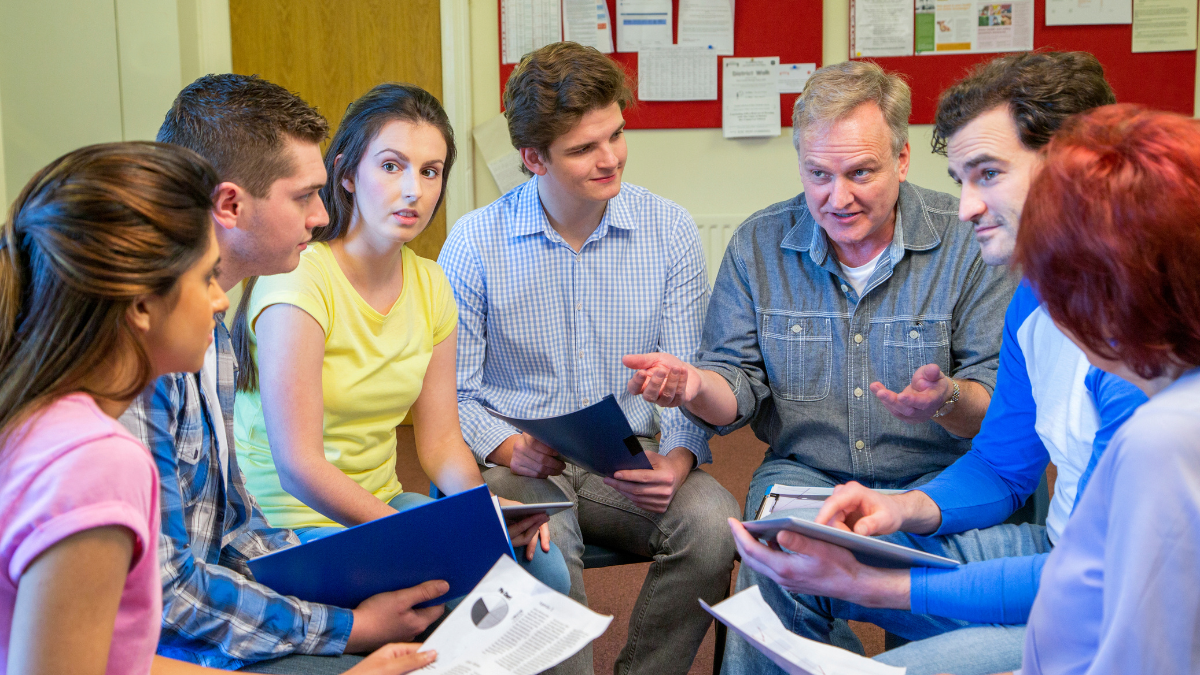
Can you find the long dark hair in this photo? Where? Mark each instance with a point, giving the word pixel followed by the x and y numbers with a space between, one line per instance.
pixel 89 234
pixel 360 125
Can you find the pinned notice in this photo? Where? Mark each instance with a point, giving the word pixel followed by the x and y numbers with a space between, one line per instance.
pixel 677 74
pixel 707 23
pixel 1164 25
pixel 973 27
pixel 503 160
pixel 587 22
pixel 1088 12
pixel 750 97
pixel 526 25
pixel 881 28
pixel 793 76
pixel 643 23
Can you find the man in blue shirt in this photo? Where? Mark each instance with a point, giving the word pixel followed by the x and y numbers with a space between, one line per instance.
pixel 991 126
pixel 264 143
pixel 555 282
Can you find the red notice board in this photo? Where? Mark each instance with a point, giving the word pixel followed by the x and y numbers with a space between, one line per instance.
pixel 1163 80
pixel 789 29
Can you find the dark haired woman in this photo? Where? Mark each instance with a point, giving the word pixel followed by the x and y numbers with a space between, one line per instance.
pixel 362 333
pixel 107 280
pixel 1109 237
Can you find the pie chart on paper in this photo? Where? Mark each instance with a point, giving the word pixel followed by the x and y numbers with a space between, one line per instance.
pixel 489 610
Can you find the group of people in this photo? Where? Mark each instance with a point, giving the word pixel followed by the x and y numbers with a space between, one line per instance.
pixel 873 333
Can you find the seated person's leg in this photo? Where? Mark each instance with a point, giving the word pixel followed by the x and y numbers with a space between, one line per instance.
pixel 303 664
pixel 973 650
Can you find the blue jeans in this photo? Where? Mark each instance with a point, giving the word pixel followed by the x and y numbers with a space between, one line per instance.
pixel 548 568
pixel 304 664
pixel 939 644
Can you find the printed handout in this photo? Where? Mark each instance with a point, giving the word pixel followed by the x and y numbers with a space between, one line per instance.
pixel 748 615
pixel 511 624
pixel 973 27
pixel 1088 12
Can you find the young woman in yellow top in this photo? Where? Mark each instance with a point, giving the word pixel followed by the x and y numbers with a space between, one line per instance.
pixel 336 353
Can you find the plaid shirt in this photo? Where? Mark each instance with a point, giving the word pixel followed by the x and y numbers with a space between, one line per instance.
pixel 542 328
pixel 214 613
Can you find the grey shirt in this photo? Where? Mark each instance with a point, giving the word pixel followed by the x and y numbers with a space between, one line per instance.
pixel 800 348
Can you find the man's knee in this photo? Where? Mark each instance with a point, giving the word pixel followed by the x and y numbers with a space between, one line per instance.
pixel 703 508
pixel 505 483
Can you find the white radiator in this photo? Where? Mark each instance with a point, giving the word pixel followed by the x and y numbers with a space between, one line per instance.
pixel 716 229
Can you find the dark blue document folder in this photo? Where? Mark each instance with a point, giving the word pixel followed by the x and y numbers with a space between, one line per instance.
pixel 456 539
pixel 597 438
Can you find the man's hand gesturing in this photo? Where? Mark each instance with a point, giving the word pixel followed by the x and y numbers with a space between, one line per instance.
pixel 662 379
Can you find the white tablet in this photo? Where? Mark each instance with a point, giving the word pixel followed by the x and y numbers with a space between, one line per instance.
pixel 519 511
pixel 868 550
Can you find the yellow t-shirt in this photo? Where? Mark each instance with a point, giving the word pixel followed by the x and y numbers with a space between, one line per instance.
pixel 373 370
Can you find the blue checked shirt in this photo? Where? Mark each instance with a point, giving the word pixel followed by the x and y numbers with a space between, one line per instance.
pixel 214 613
pixel 542 329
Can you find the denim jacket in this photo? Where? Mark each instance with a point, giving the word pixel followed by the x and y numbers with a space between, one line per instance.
pixel 800 348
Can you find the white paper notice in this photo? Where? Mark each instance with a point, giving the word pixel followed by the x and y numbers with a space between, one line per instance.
pixel 526 25
pixel 502 158
pixel 1088 12
pixel 707 23
pixel 511 624
pixel 793 76
pixel 750 617
pixel 881 28
pixel 1164 25
pixel 677 74
pixel 587 22
pixel 750 97
pixel 643 23
pixel 973 27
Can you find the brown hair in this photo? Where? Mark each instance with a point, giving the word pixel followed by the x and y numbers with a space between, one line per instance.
pixel 240 123
pixel 1041 90
pixel 360 125
pixel 90 233
pixel 1110 235
pixel 554 87
pixel 834 91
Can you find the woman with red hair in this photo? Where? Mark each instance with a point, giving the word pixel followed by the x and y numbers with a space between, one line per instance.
pixel 1110 239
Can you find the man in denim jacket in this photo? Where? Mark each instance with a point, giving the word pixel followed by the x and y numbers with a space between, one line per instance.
pixel 855 326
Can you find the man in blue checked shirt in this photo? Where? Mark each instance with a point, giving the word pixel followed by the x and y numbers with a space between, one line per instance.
pixel 555 282
pixel 1047 406
pixel 264 143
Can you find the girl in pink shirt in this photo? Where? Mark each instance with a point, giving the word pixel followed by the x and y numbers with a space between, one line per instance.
pixel 107 280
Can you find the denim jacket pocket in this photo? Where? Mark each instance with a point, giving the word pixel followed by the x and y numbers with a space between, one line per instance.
pixel 911 343
pixel 797 355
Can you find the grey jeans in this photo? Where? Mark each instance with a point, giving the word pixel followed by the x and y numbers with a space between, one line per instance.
pixel 691 545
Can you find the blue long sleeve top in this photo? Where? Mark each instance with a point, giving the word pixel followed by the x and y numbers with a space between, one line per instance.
pixel 1002 469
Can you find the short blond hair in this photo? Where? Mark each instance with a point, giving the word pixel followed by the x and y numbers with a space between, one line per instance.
pixel 833 91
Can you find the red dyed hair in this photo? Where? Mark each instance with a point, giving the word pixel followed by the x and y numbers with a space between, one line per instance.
pixel 1110 235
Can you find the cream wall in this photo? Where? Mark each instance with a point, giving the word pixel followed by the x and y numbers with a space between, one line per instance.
pixel 76 72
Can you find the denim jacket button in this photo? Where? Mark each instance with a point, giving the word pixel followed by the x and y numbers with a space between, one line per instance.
pixel 858 337
pixel 860 445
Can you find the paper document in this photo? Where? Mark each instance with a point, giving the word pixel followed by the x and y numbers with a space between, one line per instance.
pixel 503 160
pixel 677 74
pixel 748 615
pixel 1164 25
pixel 881 28
pixel 785 497
pixel 1088 12
pixel 793 76
pixel 973 27
pixel 587 22
pixel 511 624
pixel 750 97
pixel 707 23
pixel 526 25
pixel 643 23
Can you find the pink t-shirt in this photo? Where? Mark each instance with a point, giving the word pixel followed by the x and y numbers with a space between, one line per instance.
pixel 75 468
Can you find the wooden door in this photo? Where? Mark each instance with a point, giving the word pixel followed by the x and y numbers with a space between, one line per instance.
pixel 333 51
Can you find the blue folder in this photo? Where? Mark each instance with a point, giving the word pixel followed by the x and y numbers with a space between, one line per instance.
pixel 597 438
pixel 456 539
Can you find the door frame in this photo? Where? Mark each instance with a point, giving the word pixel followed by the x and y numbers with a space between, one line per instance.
pixel 456 99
